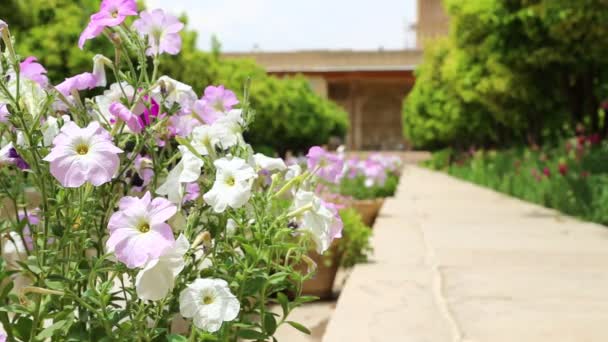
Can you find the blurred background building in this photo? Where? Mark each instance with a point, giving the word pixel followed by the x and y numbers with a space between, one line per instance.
pixel 369 85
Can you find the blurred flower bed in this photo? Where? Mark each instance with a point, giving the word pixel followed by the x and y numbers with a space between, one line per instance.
pixel 571 176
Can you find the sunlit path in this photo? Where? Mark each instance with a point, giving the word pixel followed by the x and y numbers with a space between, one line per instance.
pixel 456 262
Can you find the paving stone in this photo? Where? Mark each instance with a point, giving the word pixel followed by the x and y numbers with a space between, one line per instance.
pixel 457 262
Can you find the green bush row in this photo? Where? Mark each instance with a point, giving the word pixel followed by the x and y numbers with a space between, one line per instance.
pixel 570 177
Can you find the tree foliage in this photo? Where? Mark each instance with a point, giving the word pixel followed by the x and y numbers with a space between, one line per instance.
pixel 289 115
pixel 516 71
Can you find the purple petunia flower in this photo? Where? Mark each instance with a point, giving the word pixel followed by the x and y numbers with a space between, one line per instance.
pixel 138 232
pixel 329 166
pixel 111 13
pixel 162 30
pixel 17 160
pixel 216 102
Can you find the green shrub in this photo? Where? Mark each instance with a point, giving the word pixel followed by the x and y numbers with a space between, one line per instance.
pixel 570 177
pixel 354 246
pixel 357 189
pixel 511 72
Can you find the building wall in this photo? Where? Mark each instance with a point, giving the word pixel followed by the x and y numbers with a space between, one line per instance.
pixel 433 21
pixel 374 106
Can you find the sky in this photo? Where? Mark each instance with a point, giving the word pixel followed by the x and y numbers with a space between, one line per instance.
pixel 285 25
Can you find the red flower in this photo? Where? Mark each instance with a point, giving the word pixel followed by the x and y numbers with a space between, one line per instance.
pixel 581 140
pixel 547 172
pixel 595 139
pixel 563 169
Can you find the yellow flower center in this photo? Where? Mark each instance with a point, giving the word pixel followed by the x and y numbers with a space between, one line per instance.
pixel 82 149
pixel 230 181
pixel 207 299
pixel 144 227
pixel 218 105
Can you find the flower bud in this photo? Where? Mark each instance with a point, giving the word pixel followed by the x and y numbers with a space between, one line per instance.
pixel 204 238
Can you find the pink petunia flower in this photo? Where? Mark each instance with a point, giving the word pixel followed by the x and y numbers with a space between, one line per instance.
pixel 216 102
pixel 193 191
pixel 375 172
pixel 82 81
pixel 123 113
pixel 34 71
pixel 111 13
pixel 138 232
pixel 181 125
pixel 144 169
pixel 82 155
pixel 162 30
pixel 329 166
pixel 4 113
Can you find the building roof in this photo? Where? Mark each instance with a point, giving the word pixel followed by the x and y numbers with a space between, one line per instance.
pixel 319 61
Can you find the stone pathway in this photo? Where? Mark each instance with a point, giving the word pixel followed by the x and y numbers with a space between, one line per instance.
pixel 456 262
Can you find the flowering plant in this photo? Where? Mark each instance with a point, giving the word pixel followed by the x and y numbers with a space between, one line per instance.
pixel 375 176
pixel 126 214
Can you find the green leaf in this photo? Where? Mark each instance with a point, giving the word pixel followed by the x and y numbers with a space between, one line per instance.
pixel 176 338
pixel 251 334
pixel 22 328
pixel 250 251
pixel 307 299
pixel 270 323
pixel 284 301
pixel 277 278
pixel 50 330
pixel 253 285
pixel 299 327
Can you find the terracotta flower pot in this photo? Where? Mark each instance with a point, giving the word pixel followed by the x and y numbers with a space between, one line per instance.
pixel 368 209
pixel 321 285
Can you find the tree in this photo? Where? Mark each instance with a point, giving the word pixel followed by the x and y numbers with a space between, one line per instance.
pixel 286 108
pixel 536 67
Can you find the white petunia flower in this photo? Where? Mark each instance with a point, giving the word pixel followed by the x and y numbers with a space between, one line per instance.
pixel 203 139
pixel 174 92
pixel 186 171
pixel 232 186
pixel 209 303
pixel 99 70
pixel 157 277
pixel 317 220
pixel 112 95
pixel 266 163
pixel 228 129
pixel 293 171
pixel 231 227
pixel 50 129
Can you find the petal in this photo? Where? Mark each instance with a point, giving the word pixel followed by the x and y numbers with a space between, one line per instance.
pixel 160 210
pixel 154 282
pixel 188 302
